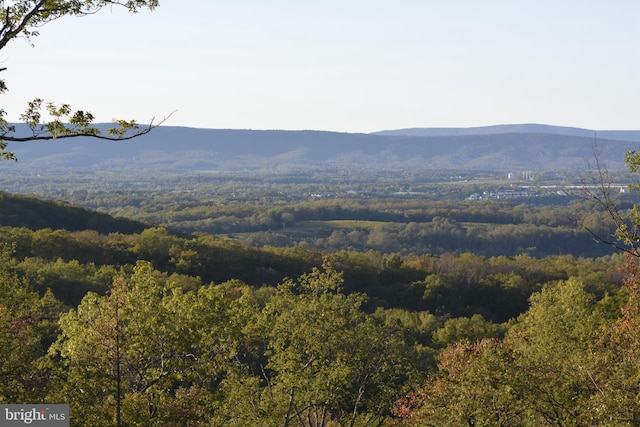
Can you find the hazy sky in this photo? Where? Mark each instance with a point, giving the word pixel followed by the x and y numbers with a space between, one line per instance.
pixel 341 65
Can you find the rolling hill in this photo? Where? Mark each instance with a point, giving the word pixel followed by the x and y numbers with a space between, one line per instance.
pixel 35 214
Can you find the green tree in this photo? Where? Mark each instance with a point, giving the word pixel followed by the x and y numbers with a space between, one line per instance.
pixel 544 372
pixel 23 19
pixel 618 352
pixel 157 350
pixel 156 245
pixel 28 324
pixel 329 362
pixel 554 365
pixel 121 354
pixel 472 328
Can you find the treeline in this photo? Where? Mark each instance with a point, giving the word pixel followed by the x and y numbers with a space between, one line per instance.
pixel 252 216
pixel 489 228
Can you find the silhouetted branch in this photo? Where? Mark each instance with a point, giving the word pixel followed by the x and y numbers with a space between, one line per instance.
pixel 602 193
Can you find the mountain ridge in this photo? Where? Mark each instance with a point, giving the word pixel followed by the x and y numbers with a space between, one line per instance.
pixel 183 149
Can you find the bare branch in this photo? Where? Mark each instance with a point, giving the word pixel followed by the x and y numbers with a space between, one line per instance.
pixel 602 193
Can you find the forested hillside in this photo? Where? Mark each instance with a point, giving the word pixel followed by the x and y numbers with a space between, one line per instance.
pixel 29 212
pixel 181 329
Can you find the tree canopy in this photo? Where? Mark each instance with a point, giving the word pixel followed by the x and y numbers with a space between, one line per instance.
pixel 23 19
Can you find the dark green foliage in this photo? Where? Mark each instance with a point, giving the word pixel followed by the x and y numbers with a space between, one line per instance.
pixel 204 320
pixel 35 214
pixel 450 283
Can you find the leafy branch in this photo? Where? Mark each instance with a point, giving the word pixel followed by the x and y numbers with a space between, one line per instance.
pixel 22 19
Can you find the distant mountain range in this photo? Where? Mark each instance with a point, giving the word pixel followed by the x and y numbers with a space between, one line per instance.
pixel 181 149
pixel 614 135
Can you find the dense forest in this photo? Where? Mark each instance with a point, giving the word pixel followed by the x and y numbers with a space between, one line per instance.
pixel 151 325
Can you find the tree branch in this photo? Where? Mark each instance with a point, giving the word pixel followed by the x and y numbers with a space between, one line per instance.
pixel 118 134
pixel 20 16
pixel 626 236
pixel 141 132
pixel 9 32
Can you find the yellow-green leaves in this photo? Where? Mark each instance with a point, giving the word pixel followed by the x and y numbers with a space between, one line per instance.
pixel 21 19
pixel 327 359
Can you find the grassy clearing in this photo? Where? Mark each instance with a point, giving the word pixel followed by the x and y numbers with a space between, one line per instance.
pixel 341 223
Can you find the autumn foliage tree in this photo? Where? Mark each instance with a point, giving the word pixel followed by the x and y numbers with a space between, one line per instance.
pixel 618 350
pixel 541 373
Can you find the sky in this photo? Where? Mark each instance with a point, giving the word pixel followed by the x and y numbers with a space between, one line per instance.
pixel 340 65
